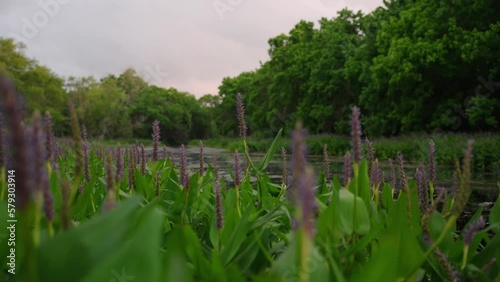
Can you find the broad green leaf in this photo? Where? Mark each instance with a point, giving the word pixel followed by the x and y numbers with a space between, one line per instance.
pixel 176 264
pixel 387 197
pixel 270 152
pixel 233 236
pixel 336 183
pixel 436 226
pixel 328 222
pixel 363 183
pixel 143 246
pixel 353 214
pixel 398 242
pixel 194 252
pixel 71 255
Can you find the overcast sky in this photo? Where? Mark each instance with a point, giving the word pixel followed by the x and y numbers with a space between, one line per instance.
pixel 187 44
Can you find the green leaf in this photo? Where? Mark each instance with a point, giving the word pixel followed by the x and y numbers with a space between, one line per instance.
pixel 387 197
pixel 143 246
pixel 399 241
pixel 83 208
pixel 234 234
pixel 436 227
pixel 194 252
pixel 494 218
pixel 71 255
pixel 270 152
pixel 353 214
pixel 176 264
pixel 328 222
pixel 363 183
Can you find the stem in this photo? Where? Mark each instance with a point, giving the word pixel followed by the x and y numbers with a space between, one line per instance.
pixel 263 249
pixel 464 259
pixel 257 173
pixel 248 156
pixel 220 241
pixel 304 253
pixel 51 230
pixel 185 206
pixel 446 230
pixel 238 200
pixel 355 179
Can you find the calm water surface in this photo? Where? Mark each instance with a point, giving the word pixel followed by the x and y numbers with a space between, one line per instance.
pixel 485 189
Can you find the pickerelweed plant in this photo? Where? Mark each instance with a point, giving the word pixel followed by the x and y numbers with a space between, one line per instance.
pixel 147 219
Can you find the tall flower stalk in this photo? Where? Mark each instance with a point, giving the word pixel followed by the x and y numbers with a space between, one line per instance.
pixel 469 232
pixel 242 127
pixel 77 143
pixel 43 196
pixel 458 205
pixel 241 116
pixel 432 168
pixel 376 179
pixel 356 135
pixel 49 144
pixel 305 203
pixel 218 205
pixel 201 170
pixel 392 173
pixel 143 160
pixel 401 167
pixel 371 155
pixel 421 189
pixel 119 164
pixel 284 166
pixel 298 152
pixel 326 163
pixel 14 119
pixel 184 178
pixel 219 215
pixel 464 182
pixel 131 167
pixel 404 184
pixel 85 147
pixel 110 184
pixel 156 139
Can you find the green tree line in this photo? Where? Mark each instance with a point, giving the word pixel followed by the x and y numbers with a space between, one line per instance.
pixel 121 106
pixel 411 66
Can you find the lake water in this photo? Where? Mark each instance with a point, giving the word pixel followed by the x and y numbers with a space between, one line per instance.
pixel 485 189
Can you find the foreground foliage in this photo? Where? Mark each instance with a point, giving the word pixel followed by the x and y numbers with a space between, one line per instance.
pixel 160 230
pixel 83 214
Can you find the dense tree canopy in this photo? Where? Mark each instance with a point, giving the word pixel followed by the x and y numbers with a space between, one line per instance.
pixel 411 66
pixel 43 90
pixel 113 107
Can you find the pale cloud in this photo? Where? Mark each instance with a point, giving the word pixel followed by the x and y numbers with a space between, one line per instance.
pixel 192 41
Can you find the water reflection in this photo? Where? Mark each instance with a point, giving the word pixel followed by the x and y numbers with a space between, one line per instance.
pixel 485 189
